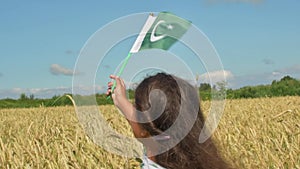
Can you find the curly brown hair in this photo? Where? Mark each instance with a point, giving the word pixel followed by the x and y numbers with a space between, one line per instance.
pixel 187 152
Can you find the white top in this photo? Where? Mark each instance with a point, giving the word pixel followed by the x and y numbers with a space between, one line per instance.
pixel 149 164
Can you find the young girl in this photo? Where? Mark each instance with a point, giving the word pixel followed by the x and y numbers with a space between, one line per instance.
pixel 160 101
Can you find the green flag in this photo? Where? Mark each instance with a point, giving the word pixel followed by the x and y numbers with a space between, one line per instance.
pixel 161 32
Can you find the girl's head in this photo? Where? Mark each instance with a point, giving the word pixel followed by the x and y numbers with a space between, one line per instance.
pixel 165 101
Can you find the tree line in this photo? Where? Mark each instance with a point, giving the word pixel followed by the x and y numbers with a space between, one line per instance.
pixel 287 86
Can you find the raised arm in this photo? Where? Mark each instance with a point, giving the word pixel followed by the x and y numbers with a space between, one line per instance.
pixel 123 104
pixel 119 97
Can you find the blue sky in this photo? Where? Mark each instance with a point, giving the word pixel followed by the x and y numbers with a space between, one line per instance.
pixel 257 40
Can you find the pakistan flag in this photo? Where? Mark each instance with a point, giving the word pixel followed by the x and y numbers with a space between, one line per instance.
pixel 160 32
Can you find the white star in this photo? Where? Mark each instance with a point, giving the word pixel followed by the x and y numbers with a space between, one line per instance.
pixel 170 27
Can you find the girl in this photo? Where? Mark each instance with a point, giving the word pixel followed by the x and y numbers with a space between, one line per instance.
pixel 160 101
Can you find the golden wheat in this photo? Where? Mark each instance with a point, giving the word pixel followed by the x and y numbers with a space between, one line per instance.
pixel 253 133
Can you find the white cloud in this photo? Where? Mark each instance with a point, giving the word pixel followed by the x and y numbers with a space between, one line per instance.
pixel 252 79
pixel 276 73
pixel 89 90
pixel 216 76
pixel 57 69
pixel 264 78
pixel 37 92
pixel 294 69
pixel 50 92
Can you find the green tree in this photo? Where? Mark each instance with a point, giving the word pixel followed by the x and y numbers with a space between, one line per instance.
pixel 31 96
pixel 222 86
pixel 205 87
pixel 23 96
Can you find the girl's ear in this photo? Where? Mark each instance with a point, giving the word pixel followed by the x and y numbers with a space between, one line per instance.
pixel 139 131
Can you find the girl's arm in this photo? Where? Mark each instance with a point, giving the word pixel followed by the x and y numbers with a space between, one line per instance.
pixel 123 104
pixel 119 97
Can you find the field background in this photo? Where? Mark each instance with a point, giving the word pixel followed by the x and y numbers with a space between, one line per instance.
pixel 253 133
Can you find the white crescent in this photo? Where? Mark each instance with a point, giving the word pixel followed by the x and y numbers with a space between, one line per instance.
pixel 154 38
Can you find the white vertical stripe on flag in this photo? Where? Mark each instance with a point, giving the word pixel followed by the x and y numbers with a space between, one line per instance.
pixel 138 42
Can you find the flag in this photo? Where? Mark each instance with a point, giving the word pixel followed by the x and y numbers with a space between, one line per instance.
pixel 160 32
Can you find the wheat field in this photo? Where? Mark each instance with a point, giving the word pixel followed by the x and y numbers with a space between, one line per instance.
pixel 253 133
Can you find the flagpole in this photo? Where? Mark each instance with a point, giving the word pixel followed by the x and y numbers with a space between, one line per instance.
pixel 120 72
pixel 136 46
pixel 124 64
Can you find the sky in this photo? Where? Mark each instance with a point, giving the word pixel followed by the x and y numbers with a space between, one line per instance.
pixel 257 41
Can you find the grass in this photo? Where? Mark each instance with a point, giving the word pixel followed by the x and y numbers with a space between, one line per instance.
pixel 253 133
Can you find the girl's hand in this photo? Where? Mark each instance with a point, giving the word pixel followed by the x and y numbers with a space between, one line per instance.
pixel 119 94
